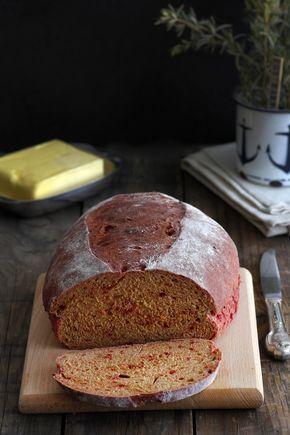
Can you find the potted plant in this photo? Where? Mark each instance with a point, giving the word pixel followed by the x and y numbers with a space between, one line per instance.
pixel 262 59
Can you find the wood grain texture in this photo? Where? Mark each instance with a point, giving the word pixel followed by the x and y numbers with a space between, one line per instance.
pixel 26 246
pixel 138 423
pixel 238 384
pixel 274 415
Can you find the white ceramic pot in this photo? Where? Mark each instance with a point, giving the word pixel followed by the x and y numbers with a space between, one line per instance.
pixel 263 145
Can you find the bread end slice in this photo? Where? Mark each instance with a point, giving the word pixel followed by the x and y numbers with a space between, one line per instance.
pixel 133 375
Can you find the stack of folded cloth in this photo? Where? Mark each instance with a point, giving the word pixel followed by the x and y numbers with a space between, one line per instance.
pixel 268 208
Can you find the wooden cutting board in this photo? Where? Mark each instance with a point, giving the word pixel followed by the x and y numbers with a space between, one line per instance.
pixel 238 384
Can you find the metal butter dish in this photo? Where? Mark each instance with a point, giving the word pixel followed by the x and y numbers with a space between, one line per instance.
pixel 31 208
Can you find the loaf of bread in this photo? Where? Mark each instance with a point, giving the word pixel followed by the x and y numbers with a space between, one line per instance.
pixel 130 376
pixel 138 268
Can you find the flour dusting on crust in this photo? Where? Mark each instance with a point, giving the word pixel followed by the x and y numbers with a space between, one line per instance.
pixel 73 263
pixel 202 253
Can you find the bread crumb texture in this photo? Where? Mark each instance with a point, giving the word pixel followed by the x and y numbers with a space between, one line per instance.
pixel 135 374
pixel 135 307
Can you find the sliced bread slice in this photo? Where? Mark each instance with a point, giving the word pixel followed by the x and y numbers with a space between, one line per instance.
pixel 132 375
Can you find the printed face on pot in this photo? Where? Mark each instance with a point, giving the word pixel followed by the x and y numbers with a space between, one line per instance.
pixel 263 145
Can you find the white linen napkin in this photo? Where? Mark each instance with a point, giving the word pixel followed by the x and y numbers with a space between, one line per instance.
pixel 268 208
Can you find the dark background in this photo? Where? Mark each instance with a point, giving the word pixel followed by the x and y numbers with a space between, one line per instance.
pixel 100 71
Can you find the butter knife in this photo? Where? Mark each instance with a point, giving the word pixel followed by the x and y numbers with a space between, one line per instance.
pixel 277 340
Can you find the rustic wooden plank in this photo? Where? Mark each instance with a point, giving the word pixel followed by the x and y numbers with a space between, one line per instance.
pixel 141 423
pixel 4 367
pixel 274 415
pixel 35 241
pixel 26 248
pixel 13 422
pixel 236 422
pixel 7 260
pixel 16 424
pixel 239 382
pixel 19 319
pixel 16 353
pixel 4 320
pixel 144 168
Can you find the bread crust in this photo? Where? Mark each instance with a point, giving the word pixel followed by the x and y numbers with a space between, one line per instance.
pixel 142 399
pixel 174 356
pixel 199 250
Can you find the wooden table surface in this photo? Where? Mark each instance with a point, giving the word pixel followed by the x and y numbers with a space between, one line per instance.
pixel 26 246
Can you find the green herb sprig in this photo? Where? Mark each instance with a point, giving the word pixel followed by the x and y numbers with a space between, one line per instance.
pixel 255 52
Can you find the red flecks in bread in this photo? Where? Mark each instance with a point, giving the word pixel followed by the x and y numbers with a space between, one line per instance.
pixel 130 376
pixel 138 268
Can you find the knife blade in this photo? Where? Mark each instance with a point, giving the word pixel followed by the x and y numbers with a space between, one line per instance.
pixel 277 340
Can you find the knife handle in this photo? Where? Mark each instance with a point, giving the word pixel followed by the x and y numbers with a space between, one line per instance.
pixel 278 340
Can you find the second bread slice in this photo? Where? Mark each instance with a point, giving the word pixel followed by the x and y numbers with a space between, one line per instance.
pixel 130 376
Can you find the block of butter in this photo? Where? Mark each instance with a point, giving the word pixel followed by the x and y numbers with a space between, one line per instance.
pixel 47 169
